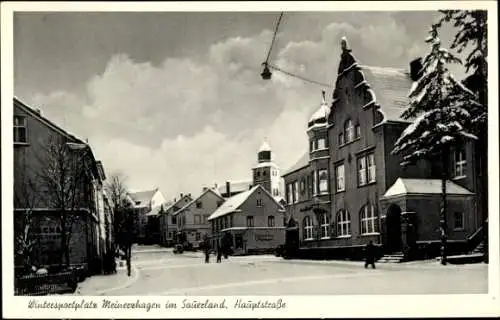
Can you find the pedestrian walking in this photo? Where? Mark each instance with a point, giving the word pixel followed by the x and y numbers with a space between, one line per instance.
pixel 370 255
pixel 206 245
pixel 219 252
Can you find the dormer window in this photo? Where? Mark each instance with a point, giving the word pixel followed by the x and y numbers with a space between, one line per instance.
pixel 20 135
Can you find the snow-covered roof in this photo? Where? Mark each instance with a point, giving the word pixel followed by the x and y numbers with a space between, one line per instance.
pixel 301 163
pixel 320 116
pixel 390 87
pixel 236 186
pixel 265 164
pixel 155 211
pixel 265 147
pixel 142 198
pixel 424 186
pixel 214 191
pixel 234 203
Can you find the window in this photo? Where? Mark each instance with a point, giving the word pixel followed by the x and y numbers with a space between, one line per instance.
pixel 308 228
pixel 225 221
pixel 458 221
pixel 20 129
pixel 230 220
pixel 197 219
pixel 460 163
pixel 371 168
pixel 198 236
pixel 264 173
pixel 250 221
pixel 302 186
pixel 358 131
pixel 309 187
pixel 343 223
pixel 339 173
pixel 259 203
pixel 348 131
pixel 325 226
pixel 199 204
pixel 366 175
pixel 205 218
pixel 174 220
pixel 368 220
pixel 296 191
pixel 361 171
pixel 289 194
pixel 323 181
pixel 315 182
pixel 270 221
pixel 321 143
pixel 341 139
pixel 311 145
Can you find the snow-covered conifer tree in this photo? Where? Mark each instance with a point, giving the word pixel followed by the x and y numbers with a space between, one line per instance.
pixel 440 113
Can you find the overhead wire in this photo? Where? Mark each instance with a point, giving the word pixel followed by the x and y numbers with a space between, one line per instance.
pixel 291 74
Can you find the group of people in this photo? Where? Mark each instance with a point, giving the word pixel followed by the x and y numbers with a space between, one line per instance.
pixel 221 250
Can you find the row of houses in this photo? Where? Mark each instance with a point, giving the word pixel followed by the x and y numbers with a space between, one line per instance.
pixel 348 189
pixel 58 192
pixel 250 212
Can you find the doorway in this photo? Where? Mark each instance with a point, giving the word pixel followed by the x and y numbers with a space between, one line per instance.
pixel 393 229
pixel 292 237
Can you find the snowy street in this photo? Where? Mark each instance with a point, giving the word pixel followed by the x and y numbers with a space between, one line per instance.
pixel 160 272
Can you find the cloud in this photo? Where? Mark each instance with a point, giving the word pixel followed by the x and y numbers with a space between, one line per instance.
pixel 188 122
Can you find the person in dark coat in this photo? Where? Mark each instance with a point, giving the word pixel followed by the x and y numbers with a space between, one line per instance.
pixel 206 247
pixel 370 255
pixel 219 252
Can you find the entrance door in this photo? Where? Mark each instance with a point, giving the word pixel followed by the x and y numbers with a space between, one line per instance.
pixel 393 229
pixel 292 238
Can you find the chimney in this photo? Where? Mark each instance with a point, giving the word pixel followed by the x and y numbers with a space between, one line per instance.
pixel 205 189
pixel 416 69
pixel 39 111
pixel 228 188
pixel 189 195
pixel 181 195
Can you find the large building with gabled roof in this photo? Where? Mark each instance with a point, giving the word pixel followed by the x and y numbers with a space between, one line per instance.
pixel 43 153
pixel 349 189
pixel 192 218
pixel 253 220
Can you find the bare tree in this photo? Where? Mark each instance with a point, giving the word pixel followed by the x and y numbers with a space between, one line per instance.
pixel 124 216
pixel 25 199
pixel 66 178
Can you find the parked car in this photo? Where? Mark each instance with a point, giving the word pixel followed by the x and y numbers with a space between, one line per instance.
pixel 178 248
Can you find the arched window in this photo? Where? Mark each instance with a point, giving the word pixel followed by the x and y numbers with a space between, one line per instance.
pixel 348 131
pixel 308 228
pixel 325 226
pixel 343 223
pixel 368 219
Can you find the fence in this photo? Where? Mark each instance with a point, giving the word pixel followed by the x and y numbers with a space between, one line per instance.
pixel 44 284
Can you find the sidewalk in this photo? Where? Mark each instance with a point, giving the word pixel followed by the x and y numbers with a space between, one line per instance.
pixel 101 284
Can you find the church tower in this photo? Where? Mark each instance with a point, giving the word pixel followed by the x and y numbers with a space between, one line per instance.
pixel 266 172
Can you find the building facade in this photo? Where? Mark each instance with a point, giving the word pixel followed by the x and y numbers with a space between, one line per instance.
pixel 253 220
pixel 44 155
pixel 146 208
pixel 360 192
pixel 192 218
pixel 168 221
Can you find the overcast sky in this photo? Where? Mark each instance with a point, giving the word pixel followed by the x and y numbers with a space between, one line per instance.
pixel 175 100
